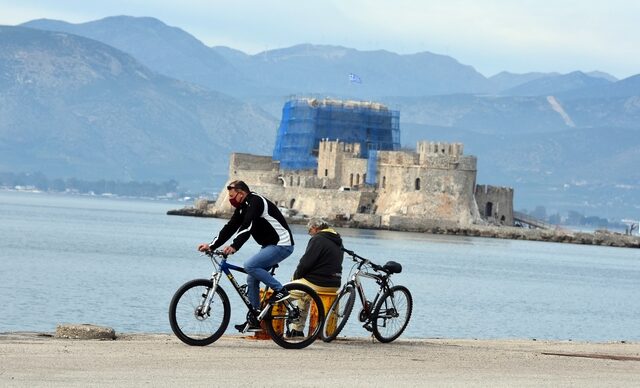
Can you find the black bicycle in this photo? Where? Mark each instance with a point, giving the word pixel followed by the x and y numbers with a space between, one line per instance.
pixel 387 315
pixel 199 311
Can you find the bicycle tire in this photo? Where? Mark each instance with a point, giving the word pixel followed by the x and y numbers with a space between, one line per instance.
pixel 346 300
pixel 392 314
pixel 284 316
pixel 188 323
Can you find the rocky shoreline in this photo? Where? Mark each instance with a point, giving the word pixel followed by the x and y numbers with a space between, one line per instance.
pixel 602 238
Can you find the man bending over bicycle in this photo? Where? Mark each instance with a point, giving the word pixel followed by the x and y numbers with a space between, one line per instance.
pixel 257 217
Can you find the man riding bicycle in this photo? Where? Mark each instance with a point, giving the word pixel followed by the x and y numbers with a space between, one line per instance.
pixel 257 217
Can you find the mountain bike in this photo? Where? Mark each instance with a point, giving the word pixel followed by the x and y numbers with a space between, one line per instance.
pixel 386 316
pixel 199 311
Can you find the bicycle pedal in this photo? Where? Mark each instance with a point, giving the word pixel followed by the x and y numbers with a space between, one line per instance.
pixel 367 327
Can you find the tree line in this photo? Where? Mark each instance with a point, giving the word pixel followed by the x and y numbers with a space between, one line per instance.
pixel 99 187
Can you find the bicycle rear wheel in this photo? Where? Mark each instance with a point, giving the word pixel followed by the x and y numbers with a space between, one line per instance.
pixel 296 322
pixel 194 321
pixel 338 314
pixel 392 313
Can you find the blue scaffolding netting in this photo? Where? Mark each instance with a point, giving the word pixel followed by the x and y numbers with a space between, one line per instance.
pixel 305 122
pixel 372 167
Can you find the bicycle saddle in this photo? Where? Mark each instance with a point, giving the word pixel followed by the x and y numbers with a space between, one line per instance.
pixel 392 267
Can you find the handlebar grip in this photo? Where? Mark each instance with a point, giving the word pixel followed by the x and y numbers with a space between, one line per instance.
pixel 352 253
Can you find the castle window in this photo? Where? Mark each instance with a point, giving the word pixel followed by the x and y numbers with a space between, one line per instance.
pixel 364 178
pixel 326 172
pixel 291 181
pixel 298 181
pixel 488 209
pixel 357 179
pixel 417 183
pixel 384 182
pixel 351 180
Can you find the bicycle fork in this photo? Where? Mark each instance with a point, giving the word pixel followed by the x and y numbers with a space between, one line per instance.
pixel 203 310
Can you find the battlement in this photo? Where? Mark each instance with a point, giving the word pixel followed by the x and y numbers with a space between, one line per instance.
pixel 347 104
pixel 336 146
pixel 240 161
pixel 438 148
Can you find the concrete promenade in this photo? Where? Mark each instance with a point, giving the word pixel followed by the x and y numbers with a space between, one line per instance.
pixel 36 360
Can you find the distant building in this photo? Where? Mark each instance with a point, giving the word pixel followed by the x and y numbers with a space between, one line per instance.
pixel 307 121
pixel 363 176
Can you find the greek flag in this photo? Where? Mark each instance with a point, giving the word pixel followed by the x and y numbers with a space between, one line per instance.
pixel 353 78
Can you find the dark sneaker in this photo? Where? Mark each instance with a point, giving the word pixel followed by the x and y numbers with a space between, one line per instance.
pixel 248 326
pixel 278 296
pixel 295 333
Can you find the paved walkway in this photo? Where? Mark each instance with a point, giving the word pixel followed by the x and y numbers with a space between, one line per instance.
pixel 29 359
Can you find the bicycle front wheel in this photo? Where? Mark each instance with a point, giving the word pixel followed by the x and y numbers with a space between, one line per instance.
pixel 194 320
pixel 392 313
pixel 338 314
pixel 296 322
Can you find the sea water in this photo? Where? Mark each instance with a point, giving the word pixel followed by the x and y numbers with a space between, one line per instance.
pixel 117 262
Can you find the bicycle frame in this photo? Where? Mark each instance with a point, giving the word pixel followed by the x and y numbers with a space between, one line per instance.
pixel 383 282
pixel 224 267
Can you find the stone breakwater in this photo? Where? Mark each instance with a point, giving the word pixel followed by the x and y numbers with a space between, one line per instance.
pixel 603 238
pixel 561 236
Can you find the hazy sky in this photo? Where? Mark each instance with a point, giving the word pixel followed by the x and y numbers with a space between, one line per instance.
pixel 490 35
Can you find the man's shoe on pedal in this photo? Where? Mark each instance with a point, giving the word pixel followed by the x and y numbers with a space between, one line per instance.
pixel 248 326
pixel 278 296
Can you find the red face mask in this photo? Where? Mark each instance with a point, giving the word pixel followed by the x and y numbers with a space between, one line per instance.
pixel 234 202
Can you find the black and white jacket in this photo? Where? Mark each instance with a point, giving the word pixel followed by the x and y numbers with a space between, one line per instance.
pixel 259 218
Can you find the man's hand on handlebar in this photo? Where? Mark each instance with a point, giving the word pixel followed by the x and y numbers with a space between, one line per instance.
pixel 228 250
pixel 204 247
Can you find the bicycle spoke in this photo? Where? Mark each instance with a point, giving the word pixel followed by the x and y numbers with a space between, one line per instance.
pixel 296 322
pixel 194 322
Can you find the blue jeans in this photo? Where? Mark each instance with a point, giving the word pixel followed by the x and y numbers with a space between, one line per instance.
pixel 257 270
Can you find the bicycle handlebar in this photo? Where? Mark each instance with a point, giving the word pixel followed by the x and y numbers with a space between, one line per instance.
pixel 363 260
pixel 211 253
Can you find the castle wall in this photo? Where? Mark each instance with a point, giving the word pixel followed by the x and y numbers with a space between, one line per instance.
pixel 432 187
pixel 253 169
pixel 354 172
pixel 436 183
pixel 400 158
pixel 434 194
pixel 495 204
pixel 300 191
pixel 339 163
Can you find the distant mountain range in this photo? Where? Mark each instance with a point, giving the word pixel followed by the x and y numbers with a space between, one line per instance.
pixel 133 97
pixel 72 106
pixel 302 69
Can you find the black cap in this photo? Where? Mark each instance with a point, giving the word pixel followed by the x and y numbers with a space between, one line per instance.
pixel 238 185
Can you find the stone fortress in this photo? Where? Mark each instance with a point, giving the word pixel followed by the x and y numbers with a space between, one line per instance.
pixel 341 160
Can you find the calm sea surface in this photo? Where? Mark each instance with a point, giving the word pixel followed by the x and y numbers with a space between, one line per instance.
pixel 117 263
